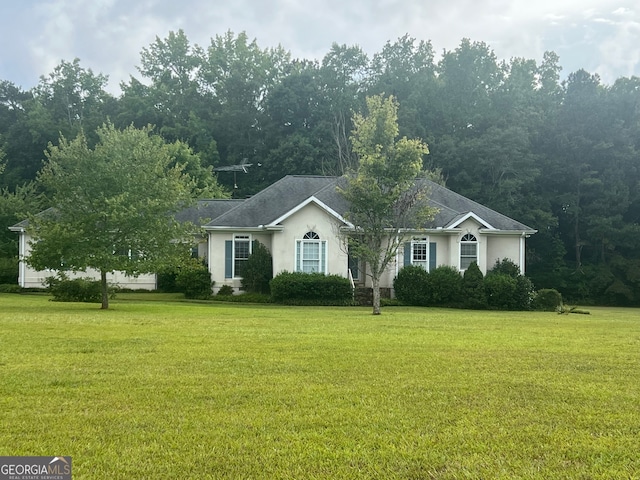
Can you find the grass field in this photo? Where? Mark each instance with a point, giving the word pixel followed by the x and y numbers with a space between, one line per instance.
pixel 155 388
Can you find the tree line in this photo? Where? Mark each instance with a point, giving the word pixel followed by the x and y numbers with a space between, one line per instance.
pixel 558 154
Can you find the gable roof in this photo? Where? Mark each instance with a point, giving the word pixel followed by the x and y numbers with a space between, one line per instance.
pixel 277 200
pixel 280 199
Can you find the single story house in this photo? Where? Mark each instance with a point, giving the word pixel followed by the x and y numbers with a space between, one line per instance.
pixel 298 219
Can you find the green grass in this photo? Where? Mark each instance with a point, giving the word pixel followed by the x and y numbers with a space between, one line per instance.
pixel 155 388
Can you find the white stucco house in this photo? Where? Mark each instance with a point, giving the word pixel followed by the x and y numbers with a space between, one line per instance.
pixel 298 219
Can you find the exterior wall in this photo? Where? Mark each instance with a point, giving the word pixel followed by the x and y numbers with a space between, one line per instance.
pixel 311 218
pixel 505 246
pixel 216 255
pixel 31 278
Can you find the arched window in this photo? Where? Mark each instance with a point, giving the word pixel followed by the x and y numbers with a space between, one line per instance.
pixel 468 250
pixel 311 254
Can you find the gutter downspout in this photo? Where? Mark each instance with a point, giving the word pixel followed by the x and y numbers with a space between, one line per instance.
pixel 22 269
pixel 522 247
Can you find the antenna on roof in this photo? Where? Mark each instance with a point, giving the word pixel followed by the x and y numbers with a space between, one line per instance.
pixel 243 167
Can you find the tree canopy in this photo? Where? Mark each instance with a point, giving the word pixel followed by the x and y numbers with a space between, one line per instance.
pixel 115 205
pixel 559 151
pixel 385 198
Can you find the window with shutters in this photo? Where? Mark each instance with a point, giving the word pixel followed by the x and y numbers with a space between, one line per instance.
pixel 420 253
pixel 241 252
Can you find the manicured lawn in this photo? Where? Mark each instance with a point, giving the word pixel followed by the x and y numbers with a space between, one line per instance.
pixel 162 389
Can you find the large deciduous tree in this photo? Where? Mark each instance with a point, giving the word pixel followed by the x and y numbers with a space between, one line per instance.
pixel 114 206
pixel 386 198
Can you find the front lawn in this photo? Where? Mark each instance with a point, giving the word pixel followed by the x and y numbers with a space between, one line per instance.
pixel 155 388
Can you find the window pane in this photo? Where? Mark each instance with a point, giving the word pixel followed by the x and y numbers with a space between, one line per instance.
pixel 241 254
pixel 465 262
pixel 468 249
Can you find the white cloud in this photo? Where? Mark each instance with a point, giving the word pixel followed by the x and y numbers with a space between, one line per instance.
pixel 108 35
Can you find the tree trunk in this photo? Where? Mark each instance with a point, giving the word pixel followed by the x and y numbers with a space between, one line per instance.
pixel 105 291
pixel 376 295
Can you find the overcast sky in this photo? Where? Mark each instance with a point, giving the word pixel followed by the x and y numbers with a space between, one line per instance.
pixel 601 36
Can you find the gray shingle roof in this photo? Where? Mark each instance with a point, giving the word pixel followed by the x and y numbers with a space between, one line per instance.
pixel 205 210
pixel 286 194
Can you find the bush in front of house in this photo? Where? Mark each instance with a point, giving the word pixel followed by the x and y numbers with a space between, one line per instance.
pixel 547 300
pixel 10 288
pixel 225 291
pixel 501 291
pixel 514 294
pixel 410 285
pixel 195 282
pixel 298 288
pixel 444 287
pixel 474 296
pixel 258 270
pixel 85 290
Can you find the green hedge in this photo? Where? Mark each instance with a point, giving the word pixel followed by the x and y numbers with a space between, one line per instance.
pixel 299 288
pixel 86 290
pixel 502 289
pixel 195 282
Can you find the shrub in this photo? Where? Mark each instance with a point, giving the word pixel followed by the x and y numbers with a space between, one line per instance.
pixel 501 291
pixel 167 281
pixel 504 295
pixel 444 287
pixel 411 285
pixel 86 290
pixel 258 270
pixel 547 300
pixel 525 293
pixel 473 293
pixel 10 288
pixel 195 281
pixel 300 288
pixel 225 291
pixel 506 267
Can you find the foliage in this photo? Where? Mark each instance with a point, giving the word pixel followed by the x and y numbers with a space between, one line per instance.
pixel 194 280
pixel 546 300
pixel 556 150
pixel 501 290
pixel 473 292
pixel 9 270
pixel 444 287
pixel 410 285
pixel 85 290
pixel 258 270
pixel 225 291
pixel 506 267
pixel 299 288
pixel 114 206
pixel 10 288
pixel 385 199
pixel 501 294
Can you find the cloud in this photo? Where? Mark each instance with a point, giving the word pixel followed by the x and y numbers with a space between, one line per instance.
pixel 108 35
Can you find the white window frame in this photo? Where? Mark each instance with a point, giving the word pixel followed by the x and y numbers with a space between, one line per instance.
pixel 468 239
pixel 311 239
pixel 239 238
pixel 423 243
